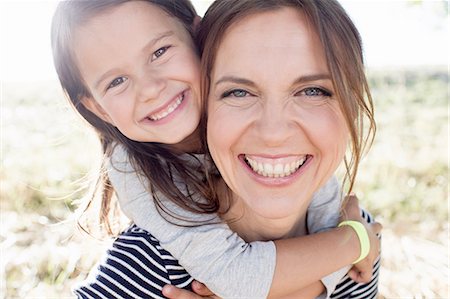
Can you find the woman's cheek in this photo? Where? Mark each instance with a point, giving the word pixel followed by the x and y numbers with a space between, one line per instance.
pixel 223 133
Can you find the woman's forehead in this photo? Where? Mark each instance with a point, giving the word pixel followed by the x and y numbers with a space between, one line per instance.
pixel 271 40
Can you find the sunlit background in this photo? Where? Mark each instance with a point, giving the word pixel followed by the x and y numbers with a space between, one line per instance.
pixel 395 33
pixel 46 150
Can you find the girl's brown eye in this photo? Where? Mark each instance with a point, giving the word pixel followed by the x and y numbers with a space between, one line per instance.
pixel 160 52
pixel 117 81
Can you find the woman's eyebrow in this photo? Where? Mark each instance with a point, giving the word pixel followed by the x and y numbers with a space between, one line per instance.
pixel 313 77
pixel 234 79
pixel 299 80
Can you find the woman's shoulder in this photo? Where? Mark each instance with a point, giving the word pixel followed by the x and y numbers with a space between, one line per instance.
pixel 134 266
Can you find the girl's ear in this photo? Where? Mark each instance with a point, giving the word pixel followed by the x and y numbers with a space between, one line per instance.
pixel 196 23
pixel 92 105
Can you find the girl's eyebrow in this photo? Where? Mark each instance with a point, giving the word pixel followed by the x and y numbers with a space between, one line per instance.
pixel 153 41
pixel 146 47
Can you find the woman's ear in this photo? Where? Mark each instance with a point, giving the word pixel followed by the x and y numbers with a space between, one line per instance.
pixel 92 105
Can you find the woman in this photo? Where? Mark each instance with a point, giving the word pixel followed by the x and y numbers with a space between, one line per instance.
pixel 286 89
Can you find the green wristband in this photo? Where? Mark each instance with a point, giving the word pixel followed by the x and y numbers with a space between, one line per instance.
pixel 363 237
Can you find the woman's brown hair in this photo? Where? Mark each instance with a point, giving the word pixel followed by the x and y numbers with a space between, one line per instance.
pixel 156 162
pixel 343 49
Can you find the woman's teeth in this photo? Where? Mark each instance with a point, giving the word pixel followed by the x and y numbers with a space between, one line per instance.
pixel 278 170
pixel 168 110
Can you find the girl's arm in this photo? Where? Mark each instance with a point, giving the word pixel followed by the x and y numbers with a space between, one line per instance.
pixel 215 255
pixel 210 253
pixel 202 292
pixel 347 286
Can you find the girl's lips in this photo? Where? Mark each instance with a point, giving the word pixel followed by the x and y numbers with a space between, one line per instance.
pixel 275 171
pixel 167 113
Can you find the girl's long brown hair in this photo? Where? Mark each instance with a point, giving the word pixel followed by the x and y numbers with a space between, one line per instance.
pixel 343 49
pixel 156 162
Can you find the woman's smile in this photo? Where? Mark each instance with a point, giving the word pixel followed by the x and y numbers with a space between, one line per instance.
pixel 275 170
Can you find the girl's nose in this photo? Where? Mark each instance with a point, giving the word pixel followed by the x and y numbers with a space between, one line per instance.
pixel 150 87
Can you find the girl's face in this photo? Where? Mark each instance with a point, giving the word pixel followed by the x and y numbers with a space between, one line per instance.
pixel 275 129
pixel 142 69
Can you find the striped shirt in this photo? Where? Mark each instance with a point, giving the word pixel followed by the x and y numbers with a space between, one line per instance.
pixel 136 266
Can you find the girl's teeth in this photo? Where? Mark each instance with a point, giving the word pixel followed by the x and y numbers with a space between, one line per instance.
pixel 278 170
pixel 168 110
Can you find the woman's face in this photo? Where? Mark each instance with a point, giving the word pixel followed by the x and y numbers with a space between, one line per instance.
pixel 275 129
pixel 142 69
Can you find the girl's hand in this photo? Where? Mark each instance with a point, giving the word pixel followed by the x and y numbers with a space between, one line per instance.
pixel 201 291
pixel 362 271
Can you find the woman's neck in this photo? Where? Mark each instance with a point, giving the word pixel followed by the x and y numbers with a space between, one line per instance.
pixel 252 227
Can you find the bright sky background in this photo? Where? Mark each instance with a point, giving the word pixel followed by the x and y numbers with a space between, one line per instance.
pixel 395 33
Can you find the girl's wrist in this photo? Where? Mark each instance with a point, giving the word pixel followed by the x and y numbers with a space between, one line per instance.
pixel 350 241
pixel 363 237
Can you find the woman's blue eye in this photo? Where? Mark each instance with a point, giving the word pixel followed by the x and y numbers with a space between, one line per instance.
pixel 160 52
pixel 237 93
pixel 314 92
pixel 117 81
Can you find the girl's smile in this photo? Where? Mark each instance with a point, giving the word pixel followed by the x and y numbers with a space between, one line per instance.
pixel 165 113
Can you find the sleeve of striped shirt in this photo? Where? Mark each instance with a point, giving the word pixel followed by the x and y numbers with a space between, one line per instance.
pixel 135 266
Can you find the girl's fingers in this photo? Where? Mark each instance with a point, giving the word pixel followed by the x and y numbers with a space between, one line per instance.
pixel 351 207
pixel 376 227
pixel 173 292
pixel 360 276
pixel 200 289
pixel 353 274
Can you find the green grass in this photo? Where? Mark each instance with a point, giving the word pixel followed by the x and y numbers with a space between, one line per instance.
pixel 405 175
pixel 46 151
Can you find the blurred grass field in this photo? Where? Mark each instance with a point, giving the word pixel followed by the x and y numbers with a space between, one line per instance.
pixel 47 151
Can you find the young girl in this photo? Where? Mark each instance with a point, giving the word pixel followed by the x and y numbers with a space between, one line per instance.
pixel 131 69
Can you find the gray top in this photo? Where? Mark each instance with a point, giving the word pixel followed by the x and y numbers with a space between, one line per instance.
pixel 212 253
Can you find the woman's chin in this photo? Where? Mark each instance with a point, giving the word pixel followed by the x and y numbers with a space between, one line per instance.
pixel 272 206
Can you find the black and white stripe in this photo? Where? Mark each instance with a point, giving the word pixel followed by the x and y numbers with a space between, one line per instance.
pixel 136 266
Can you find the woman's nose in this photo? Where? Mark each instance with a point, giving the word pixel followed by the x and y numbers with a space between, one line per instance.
pixel 150 87
pixel 274 125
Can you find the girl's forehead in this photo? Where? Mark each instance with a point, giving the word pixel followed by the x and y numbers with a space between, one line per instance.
pixel 137 14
